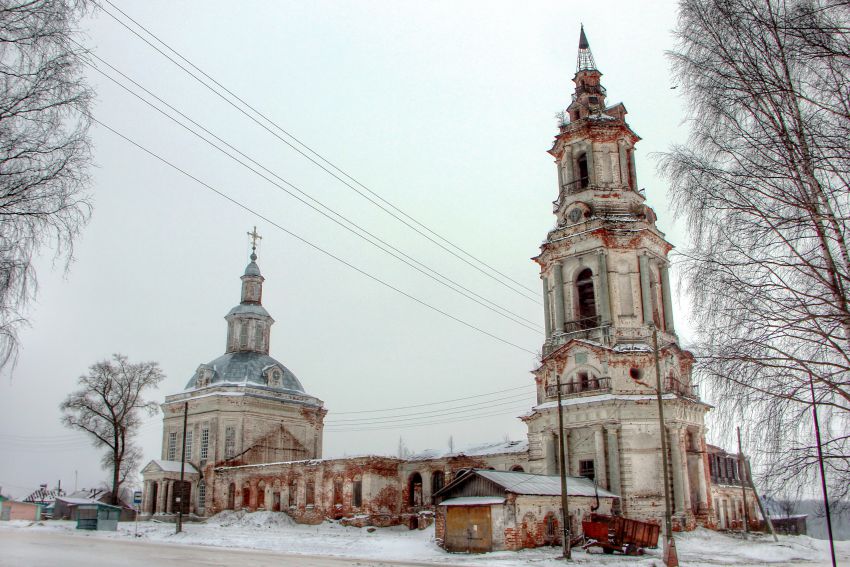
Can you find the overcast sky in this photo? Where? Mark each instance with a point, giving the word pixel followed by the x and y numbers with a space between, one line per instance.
pixel 445 109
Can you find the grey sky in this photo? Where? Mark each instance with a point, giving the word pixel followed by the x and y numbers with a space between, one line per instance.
pixel 446 109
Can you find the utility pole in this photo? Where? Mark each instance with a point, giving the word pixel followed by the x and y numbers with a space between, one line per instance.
pixel 764 512
pixel 565 502
pixel 182 470
pixel 671 558
pixel 822 473
pixel 742 472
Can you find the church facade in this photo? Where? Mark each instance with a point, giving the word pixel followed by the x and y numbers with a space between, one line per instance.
pixel 254 435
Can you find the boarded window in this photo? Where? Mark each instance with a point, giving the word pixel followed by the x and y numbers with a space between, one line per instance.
pixel 229 442
pixel 205 444
pixel 243 335
pixel 293 493
pixel 311 493
pixel 337 492
pixel 357 494
pixel 258 335
pixel 231 496
pixel 587 469
pixel 172 446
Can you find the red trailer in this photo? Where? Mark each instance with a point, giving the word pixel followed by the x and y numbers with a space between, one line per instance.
pixel 624 535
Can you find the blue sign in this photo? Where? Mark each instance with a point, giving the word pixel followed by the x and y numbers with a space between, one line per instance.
pixel 137 497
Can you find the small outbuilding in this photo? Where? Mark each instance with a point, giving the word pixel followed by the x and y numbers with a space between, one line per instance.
pixel 486 510
pixel 12 510
pixel 98 516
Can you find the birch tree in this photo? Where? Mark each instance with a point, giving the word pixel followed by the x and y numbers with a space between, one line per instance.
pixel 44 148
pixel 109 407
pixel 763 185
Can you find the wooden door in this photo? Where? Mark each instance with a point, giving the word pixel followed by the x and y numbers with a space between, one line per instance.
pixel 468 529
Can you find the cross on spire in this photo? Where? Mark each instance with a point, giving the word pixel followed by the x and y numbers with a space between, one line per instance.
pixel 254 238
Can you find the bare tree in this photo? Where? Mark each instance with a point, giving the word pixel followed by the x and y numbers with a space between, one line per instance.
pixel 44 148
pixel 109 407
pixel 763 183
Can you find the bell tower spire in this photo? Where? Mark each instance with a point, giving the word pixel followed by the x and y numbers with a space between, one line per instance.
pixel 585 61
pixel 249 324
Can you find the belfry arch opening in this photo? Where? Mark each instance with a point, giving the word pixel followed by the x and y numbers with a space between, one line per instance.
pixel 586 299
pixel 583 177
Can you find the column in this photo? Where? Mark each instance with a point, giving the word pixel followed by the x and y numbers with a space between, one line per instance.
pixel 676 465
pixel 666 300
pixel 702 489
pixel 169 496
pixel 604 289
pixel 160 497
pixel 631 155
pixel 615 485
pixel 601 470
pixel 558 270
pixel 644 289
pixel 547 317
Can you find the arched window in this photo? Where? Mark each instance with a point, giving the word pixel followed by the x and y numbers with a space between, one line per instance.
pixel 517 468
pixel 583 178
pixel 231 496
pixel 261 495
pixel 414 490
pixel 246 497
pixel 438 481
pixel 586 299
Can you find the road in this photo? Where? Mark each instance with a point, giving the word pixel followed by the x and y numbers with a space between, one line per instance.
pixel 29 548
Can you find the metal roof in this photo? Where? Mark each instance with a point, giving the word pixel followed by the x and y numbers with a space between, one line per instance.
pixel 472 501
pixel 543 485
pixel 248 367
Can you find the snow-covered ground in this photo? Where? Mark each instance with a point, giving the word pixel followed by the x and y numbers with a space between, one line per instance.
pixel 276 532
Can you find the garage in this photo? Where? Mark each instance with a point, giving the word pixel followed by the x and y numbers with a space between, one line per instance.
pixel 469 527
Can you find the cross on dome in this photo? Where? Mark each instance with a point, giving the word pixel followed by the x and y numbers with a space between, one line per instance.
pixel 254 238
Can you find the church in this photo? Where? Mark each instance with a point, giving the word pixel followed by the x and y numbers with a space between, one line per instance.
pixel 254 434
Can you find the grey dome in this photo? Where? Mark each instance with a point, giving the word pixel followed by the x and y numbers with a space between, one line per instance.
pixel 252 269
pixel 247 368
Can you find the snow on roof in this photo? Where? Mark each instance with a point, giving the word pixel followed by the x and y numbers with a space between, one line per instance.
pixel 472 501
pixel 543 485
pixel 482 449
pixel 76 501
pixel 173 466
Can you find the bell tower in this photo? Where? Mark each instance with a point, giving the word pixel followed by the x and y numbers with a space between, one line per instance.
pixel 606 289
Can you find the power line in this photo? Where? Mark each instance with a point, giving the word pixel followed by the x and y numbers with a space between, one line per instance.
pixel 434 403
pixel 307 242
pixel 502 413
pixel 403 419
pixel 401 256
pixel 427 414
pixel 322 158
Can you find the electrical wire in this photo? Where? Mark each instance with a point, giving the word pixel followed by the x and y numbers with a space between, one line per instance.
pixel 325 169
pixel 502 413
pixel 309 243
pixel 435 403
pixel 395 253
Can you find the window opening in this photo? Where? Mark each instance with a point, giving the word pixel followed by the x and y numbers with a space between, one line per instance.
pixel 587 469
pixel 229 442
pixel 584 180
pixel 586 299
pixel 172 446
pixel 357 494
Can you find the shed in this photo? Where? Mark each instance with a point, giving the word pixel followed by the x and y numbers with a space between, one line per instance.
pixel 98 516
pixel 13 510
pixel 486 510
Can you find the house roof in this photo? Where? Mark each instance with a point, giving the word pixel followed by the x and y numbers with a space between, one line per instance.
pixel 533 484
pixel 491 448
pixel 171 466
pixel 472 501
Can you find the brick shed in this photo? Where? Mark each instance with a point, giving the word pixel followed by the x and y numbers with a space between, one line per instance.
pixel 487 510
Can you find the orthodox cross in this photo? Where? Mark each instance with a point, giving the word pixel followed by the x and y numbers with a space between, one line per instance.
pixel 254 238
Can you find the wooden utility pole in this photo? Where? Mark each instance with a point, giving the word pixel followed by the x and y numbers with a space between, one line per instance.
pixel 671 558
pixel 565 502
pixel 742 472
pixel 764 513
pixel 822 472
pixel 182 470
